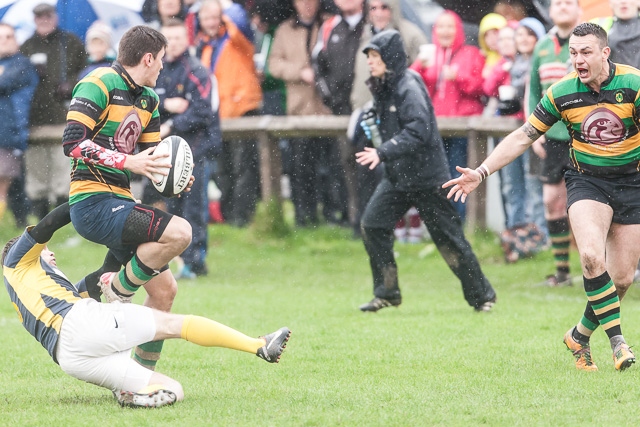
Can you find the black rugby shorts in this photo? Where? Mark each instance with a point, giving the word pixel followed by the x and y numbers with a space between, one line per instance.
pixel 620 192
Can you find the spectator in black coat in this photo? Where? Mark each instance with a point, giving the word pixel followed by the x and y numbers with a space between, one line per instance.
pixel 415 166
pixel 184 88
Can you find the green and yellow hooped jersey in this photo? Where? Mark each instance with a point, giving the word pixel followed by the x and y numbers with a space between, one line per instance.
pixel 41 294
pixel 121 115
pixel 603 126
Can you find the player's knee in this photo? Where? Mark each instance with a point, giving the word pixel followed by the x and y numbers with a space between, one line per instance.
pixel 555 208
pixel 623 281
pixel 591 262
pixel 623 286
pixel 555 203
pixel 179 232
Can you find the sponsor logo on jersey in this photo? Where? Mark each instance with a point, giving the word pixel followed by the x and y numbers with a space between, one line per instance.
pixel 573 101
pixel 117 208
pixel 118 97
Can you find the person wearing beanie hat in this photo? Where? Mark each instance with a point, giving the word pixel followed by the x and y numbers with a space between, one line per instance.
pixel 99 47
pixel 534 25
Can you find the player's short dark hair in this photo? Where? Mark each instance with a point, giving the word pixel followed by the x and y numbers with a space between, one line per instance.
pixel 8 246
pixel 137 42
pixel 590 28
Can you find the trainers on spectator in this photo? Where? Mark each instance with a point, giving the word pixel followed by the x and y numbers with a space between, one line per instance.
pixel 185 273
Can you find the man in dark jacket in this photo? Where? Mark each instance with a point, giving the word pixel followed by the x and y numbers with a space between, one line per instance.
pixel 415 166
pixel 333 60
pixel 184 88
pixel 58 57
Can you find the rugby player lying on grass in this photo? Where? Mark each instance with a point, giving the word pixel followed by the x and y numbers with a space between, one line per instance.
pixel 92 341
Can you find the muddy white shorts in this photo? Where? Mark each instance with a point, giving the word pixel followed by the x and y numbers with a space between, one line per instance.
pixel 96 340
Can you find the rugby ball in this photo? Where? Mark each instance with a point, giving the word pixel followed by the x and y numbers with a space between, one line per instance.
pixel 181 169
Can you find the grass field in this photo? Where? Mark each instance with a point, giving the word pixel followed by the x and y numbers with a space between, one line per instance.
pixel 433 361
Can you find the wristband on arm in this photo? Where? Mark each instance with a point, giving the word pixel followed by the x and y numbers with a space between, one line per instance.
pixel 484 172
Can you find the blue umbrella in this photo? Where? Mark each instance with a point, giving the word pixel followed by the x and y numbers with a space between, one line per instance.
pixel 74 15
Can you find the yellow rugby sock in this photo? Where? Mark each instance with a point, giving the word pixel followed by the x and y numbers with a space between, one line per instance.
pixel 209 333
pixel 3 208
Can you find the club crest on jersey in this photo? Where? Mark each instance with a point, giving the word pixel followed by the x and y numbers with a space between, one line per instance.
pixel 619 97
pixel 128 132
pixel 143 104
pixel 603 127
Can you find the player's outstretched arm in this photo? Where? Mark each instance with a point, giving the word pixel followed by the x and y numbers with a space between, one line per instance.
pixel 511 147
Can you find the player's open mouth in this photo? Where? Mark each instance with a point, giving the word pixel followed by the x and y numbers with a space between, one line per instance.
pixel 582 72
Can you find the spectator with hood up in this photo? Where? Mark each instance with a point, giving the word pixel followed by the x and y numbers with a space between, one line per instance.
pixel 381 15
pixel 490 27
pixel 414 164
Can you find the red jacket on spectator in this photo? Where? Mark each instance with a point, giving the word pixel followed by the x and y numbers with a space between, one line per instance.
pixel 500 76
pixel 462 95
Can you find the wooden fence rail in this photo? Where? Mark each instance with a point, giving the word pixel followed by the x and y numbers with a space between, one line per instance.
pixel 269 129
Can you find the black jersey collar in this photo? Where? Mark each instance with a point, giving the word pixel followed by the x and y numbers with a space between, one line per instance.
pixel 612 73
pixel 134 88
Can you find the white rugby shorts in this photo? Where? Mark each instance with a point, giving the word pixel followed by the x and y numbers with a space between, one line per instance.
pixel 96 339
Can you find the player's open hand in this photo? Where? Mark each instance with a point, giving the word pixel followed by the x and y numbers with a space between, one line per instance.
pixel 147 163
pixel 368 157
pixel 464 184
